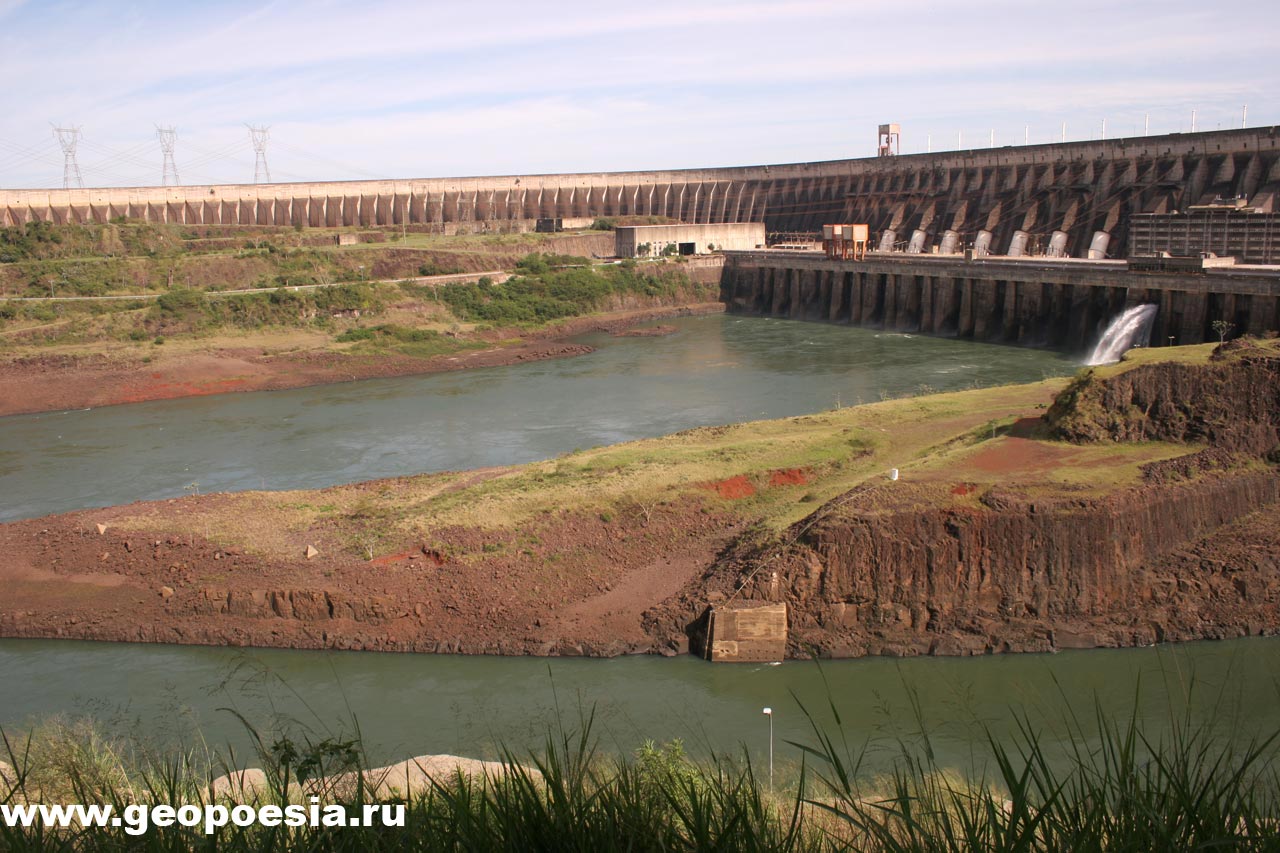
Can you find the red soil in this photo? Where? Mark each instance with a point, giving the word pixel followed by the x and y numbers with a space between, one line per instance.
pixel 739 487
pixel 789 477
pixel 489 592
pixel 1023 455
pixel 733 488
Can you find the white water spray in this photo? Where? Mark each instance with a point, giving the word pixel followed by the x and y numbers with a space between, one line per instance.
pixel 1131 329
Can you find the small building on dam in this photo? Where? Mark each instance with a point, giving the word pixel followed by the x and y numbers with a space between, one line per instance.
pixel 655 241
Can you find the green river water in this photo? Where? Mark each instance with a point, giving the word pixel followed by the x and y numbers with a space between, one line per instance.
pixel 712 370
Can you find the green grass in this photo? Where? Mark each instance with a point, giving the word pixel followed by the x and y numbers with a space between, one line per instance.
pixel 1116 789
pixel 840 450
pixel 420 343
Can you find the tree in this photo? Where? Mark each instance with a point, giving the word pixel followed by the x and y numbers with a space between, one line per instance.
pixel 1223 328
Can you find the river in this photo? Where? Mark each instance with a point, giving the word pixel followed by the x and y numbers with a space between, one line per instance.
pixel 712 370
pixel 414 704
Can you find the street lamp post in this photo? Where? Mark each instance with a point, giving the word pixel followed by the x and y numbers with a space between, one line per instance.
pixel 768 712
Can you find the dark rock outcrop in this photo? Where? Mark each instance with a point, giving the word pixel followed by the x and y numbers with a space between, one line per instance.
pixel 1012 575
pixel 1232 404
pixel 904 572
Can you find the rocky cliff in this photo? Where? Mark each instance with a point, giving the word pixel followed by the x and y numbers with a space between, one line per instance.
pixel 1014 574
pixel 1190 552
pixel 1232 403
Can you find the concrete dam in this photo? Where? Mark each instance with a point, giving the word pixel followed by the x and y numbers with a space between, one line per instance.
pixel 1077 189
pixel 1058 303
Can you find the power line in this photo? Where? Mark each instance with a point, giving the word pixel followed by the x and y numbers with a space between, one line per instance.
pixel 327 161
pixel 16 154
pixel 168 138
pixel 116 168
pixel 68 137
pixel 259 136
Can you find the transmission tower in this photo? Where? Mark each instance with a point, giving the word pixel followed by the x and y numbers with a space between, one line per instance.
pixel 168 137
pixel 68 138
pixel 259 136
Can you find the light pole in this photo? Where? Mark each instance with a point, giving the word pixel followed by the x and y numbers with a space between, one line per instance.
pixel 768 712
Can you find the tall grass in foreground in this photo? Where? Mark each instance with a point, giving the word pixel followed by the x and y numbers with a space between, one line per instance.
pixel 1118 790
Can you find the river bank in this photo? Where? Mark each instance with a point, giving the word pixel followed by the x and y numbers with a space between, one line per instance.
pixel 1140 774
pixel 618 550
pixel 115 375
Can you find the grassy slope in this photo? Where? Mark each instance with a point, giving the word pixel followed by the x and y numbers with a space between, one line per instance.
pixel 149 258
pixel 931 438
pixel 417 321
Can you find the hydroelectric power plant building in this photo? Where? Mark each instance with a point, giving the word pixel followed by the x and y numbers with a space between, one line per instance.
pixel 1078 188
pixel 1023 213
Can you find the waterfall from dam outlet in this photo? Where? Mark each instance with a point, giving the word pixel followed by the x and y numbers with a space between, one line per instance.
pixel 1131 329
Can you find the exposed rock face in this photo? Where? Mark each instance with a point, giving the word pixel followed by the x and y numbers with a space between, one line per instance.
pixel 1012 575
pixel 907 573
pixel 1233 403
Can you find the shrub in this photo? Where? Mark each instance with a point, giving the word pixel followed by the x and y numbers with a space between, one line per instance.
pixel 359 334
pixel 556 293
pixel 434 267
pixel 182 301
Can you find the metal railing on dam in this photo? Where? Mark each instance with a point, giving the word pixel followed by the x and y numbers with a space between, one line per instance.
pixel 1058 303
pixel 1078 188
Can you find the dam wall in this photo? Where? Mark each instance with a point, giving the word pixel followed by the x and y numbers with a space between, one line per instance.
pixel 1062 304
pixel 1077 188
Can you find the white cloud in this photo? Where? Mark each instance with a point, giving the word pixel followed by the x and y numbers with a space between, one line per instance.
pixel 436 88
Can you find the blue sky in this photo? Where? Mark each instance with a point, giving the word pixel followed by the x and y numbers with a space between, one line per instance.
pixel 398 89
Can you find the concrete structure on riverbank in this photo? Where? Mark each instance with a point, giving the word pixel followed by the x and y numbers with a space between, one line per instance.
pixel 1062 303
pixel 746 631
pixel 1078 189
pixel 651 241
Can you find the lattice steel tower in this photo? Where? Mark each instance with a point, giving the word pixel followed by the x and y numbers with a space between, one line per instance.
pixel 68 138
pixel 168 137
pixel 259 136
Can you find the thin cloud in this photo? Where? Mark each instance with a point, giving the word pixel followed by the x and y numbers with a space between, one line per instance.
pixel 412 89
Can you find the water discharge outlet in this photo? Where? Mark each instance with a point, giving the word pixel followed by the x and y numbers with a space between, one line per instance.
pixel 1131 329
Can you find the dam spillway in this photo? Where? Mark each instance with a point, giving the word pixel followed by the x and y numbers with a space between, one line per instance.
pixel 1057 303
pixel 1076 188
